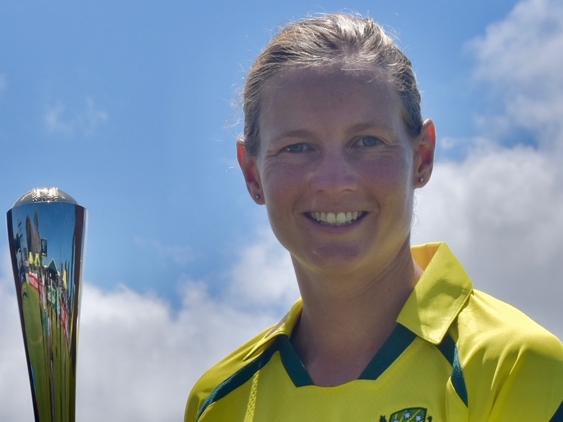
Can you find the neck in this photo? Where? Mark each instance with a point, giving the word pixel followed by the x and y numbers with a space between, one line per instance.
pixel 348 320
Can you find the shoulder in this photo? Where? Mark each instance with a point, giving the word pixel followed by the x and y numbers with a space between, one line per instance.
pixel 510 362
pixel 503 329
pixel 231 366
pixel 237 368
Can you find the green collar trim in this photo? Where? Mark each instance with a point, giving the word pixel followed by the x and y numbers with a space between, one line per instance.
pixel 393 347
pixel 293 364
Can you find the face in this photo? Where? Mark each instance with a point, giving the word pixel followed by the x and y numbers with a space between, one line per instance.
pixel 336 168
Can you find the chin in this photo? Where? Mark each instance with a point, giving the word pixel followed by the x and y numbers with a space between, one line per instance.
pixel 335 260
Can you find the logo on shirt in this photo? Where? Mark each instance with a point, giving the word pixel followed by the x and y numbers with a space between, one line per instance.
pixel 412 414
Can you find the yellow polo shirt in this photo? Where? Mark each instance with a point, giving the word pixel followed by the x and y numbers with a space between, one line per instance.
pixel 456 354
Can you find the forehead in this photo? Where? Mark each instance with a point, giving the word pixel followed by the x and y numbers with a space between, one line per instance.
pixel 329 96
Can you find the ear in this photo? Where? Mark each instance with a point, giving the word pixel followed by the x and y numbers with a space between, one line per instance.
pixel 248 165
pixel 424 153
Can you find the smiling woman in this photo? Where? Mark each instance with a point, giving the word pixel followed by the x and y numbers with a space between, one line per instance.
pixel 332 143
pixel 334 146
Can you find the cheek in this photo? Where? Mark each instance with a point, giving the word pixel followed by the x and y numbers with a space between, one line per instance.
pixel 279 180
pixel 388 174
pixel 281 186
pixel 390 183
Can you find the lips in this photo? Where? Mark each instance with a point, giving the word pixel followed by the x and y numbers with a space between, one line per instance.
pixel 335 218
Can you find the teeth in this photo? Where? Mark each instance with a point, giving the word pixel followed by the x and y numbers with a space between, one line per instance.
pixel 336 219
pixel 331 218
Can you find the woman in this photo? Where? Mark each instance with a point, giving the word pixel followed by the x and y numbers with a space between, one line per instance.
pixel 334 145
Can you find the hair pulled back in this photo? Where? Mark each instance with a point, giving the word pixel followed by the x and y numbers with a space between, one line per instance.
pixel 324 41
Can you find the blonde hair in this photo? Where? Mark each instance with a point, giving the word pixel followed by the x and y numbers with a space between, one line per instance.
pixel 324 41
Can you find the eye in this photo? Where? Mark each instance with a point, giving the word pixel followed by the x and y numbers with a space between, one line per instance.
pixel 367 141
pixel 297 148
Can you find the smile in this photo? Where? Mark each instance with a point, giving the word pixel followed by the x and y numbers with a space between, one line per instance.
pixel 335 218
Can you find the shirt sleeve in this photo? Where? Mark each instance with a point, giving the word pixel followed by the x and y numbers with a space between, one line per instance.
pixel 533 388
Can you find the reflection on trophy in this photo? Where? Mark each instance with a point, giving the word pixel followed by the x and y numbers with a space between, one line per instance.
pixel 46 236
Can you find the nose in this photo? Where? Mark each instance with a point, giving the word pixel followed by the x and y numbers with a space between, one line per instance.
pixel 333 173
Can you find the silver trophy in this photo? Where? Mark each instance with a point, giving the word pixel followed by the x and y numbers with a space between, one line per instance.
pixel 46 236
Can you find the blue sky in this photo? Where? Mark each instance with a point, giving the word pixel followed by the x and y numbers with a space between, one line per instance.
pixel 133 109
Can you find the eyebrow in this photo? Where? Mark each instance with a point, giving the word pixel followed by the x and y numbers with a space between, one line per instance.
pixel 296 133
pixel 358 127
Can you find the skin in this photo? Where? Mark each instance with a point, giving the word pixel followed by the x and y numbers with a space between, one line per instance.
pixel 334 140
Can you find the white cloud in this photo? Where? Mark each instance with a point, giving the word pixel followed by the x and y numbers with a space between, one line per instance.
pixel 137 358
pixel 13 370
pixel 85 120
pixel 263 276
pixel 502 207
pixel 55 122
pixel 140 359
pixel 521 59
pixel 501 212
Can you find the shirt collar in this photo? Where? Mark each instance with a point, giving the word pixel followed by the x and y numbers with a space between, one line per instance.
pixel 435 302
pixel 284 327
pixel 439 294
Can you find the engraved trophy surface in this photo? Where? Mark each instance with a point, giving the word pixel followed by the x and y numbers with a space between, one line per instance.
pixel 46 237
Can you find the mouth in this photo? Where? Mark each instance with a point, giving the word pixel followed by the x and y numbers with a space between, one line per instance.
pixel 335 219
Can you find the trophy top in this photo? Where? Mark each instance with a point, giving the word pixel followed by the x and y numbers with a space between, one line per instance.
pixel 45 195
